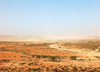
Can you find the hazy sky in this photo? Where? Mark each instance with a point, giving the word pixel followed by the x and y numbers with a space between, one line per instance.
pixel 50 18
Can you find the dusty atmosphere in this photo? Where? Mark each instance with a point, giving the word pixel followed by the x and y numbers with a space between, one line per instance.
pixel 49 35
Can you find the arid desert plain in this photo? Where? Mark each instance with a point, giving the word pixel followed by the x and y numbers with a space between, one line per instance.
pixel 50 56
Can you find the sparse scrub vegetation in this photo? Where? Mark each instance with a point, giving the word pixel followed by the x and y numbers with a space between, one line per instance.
pixel 22 63
pixel 34 69
pixel 40 58
pixel 55 69
pixel 52 58
pixel 47 69
pixel 73 57
pixel 4 60
pixel 74 69
pixel 92 45
pixel 44 44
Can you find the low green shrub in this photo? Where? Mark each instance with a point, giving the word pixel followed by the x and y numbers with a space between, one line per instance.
pixel 73 57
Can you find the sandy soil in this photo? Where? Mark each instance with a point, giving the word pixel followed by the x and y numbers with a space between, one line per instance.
pixel 44 57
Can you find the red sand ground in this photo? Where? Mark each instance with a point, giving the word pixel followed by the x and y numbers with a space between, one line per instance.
pixel 18 57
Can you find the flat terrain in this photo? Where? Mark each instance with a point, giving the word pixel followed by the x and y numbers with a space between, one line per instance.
pixel 49 57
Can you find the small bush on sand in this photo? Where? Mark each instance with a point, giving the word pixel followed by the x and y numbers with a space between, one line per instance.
pixel 47 69
pixel 73 57
pixel 38 56
pixel 74 69
pixel 52 58
pixel 55 69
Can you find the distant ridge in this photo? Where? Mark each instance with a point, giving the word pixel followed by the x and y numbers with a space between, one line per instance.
pixel 6 36
pixel 33 38
pixel 93 37
pixel 18 38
